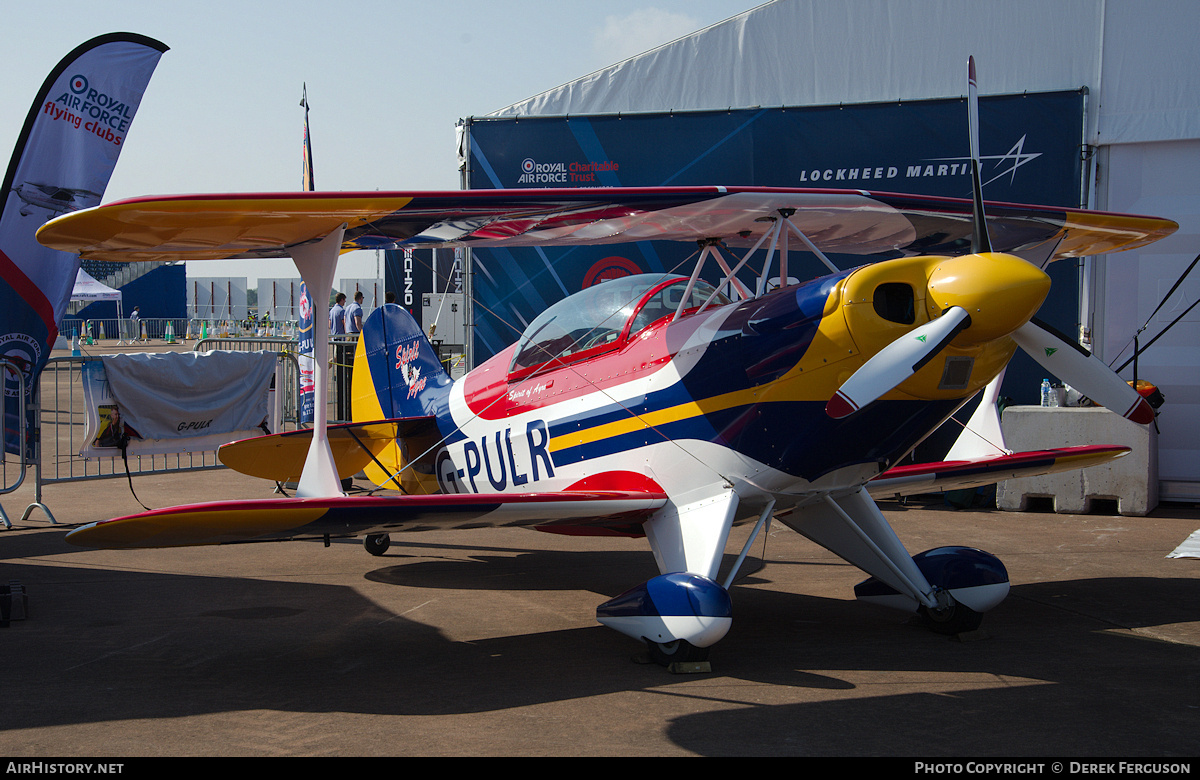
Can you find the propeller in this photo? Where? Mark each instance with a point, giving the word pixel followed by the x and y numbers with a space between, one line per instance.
pixel 1002 292
pixel 983 297
pixel 897 362
pixel 1082 370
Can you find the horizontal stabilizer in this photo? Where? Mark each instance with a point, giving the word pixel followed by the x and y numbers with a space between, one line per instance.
pixel 224 522
pixel 280 456
pixel 955 475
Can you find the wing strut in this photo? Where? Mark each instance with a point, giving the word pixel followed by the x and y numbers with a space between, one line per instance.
pixel 317 263
pixel 729 274
pixel 982 437
pixel 776 234
pixel 711 248
pixel 808 243
pixel 763 519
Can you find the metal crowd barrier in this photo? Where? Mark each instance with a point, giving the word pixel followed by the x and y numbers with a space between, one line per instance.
pixel 62 430
pixel 172 329
pixel 13 462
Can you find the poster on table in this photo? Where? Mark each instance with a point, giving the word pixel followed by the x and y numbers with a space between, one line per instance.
pixel 173 402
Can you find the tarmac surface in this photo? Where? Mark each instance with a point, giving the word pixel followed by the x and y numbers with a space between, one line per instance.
pixel 484 643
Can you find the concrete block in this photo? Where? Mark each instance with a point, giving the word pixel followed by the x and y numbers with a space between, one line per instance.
pixel 1131 481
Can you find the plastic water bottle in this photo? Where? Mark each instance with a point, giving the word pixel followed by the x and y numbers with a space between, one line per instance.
pixel 1049 397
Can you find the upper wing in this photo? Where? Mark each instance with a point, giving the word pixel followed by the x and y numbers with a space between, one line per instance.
pixel 954 475
pixel 223 522
pixel 199 227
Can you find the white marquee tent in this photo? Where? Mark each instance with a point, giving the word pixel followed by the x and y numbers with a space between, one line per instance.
pixel 1136 58
pixel 88 289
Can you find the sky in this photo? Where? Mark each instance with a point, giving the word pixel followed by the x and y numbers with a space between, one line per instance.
pixel 387 82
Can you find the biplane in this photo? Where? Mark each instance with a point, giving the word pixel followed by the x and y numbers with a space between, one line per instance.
pixel 659 405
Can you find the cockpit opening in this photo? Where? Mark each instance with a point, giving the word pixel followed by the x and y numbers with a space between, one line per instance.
pixel 602 318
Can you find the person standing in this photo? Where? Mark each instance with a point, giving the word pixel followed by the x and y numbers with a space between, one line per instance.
pixel 135 323
pixel 337 316
pixel 354 315
pixel 341 358
pixel 353 326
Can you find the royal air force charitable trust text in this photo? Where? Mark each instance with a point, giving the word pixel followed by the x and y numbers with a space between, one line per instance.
pixel 1052 767
pixel 535 173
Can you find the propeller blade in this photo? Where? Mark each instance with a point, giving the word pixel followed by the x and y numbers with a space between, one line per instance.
pixel 1080 369
pixel 980 240
pixel 897 362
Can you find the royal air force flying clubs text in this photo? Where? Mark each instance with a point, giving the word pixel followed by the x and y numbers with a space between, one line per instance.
pixel 97 112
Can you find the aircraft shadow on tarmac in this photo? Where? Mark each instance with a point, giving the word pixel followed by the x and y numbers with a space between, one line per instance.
pixel 108 645
pixel 1050 679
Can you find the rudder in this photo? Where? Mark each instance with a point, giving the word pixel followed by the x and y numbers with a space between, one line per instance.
pixel 396 371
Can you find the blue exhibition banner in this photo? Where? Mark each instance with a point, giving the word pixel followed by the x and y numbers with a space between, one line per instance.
pixel 1031 147
pixel 62 162
pixel 304 350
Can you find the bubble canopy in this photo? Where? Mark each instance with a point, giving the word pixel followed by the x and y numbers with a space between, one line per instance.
pixel 601 318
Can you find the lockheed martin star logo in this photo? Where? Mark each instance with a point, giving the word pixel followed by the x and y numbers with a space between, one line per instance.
pixel 1007 163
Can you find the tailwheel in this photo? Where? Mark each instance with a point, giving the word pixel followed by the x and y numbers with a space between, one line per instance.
pixel 679 651
pixel 377 544
pixel 954 618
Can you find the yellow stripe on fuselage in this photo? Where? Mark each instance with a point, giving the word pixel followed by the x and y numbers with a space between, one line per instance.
pixel 654 419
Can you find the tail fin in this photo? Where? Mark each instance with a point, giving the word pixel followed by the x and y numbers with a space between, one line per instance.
pixel 396 371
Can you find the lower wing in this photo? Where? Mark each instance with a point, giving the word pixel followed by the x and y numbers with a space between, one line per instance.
pixel 275 519
pixel 957 474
